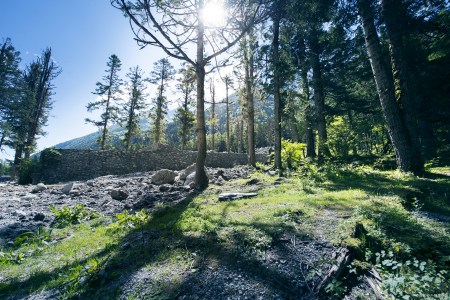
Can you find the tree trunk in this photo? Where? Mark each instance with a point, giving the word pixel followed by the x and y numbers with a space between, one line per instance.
pixel 276 90
pixel 405 78
pixel 227 101
pixel 105 125
pixel 249 80
pixel 404 149
pixel 319 97
pixel 213 116
pixel 310 146
pixel 201 178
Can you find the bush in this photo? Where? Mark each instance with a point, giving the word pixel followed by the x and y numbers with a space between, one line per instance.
pixel 72 215
pixel 340 137
pixel 292 154
pixel 49 157
pixel 26 170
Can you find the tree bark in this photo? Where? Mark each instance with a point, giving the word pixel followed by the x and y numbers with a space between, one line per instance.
pixel 401 141
pixel 249 81
pixel 201 178
pixel 310 145
pixel 277 90
pixel 406 83
pixel 227 102
pixel 319 96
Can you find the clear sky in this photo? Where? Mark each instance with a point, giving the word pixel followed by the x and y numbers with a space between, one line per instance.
pixel 82 35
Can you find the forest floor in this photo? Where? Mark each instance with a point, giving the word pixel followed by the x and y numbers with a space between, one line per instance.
pixel 188 245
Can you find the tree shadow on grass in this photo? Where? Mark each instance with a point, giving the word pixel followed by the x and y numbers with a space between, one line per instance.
pixel 426 193
pixel 147 249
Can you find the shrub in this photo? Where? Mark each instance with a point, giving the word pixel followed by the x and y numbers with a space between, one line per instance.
pixel 72 215
pixel 49 157
pixel 26 170
pixel 292 154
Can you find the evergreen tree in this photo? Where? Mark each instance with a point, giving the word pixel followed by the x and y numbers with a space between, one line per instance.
pixel 10 91
pixel 163 72
pixel 38 83
pixel 134 106
pixel 109 92
pixel 177 41
pixel 184 115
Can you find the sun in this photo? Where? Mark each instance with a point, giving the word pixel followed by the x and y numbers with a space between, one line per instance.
pixel 213 14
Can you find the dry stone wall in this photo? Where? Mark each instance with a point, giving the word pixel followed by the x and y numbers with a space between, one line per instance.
pixel 87 164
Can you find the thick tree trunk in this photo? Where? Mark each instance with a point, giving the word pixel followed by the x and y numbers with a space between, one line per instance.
pixel 310 145
pixel 406 155
pixel 319 96
pixel 405 77
pixel 201 178
pixel 249 79
pixel 277 92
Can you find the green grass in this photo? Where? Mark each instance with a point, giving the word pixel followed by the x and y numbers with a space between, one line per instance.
pixel 95 259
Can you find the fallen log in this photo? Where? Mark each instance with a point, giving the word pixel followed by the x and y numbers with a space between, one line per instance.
pixel 234 196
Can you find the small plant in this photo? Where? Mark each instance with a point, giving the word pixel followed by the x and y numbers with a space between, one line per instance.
pixel 336 288
pixel 251 239
pixel 40 235
pixel 126 220
pixel 11 257
pixel 411 279
pixel 72 215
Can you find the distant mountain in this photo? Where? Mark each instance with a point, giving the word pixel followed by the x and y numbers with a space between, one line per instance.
pixel 90 141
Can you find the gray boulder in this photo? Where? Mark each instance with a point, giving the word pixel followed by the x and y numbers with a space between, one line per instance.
pixel 119 194
pixel 67 188
pixel 186 172
pixel 39 188
pixel 190 179
pixel 164 176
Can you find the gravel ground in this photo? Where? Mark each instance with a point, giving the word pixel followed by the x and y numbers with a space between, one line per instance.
pixel 290 269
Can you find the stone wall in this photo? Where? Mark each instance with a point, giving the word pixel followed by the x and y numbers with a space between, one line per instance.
pixel 87 164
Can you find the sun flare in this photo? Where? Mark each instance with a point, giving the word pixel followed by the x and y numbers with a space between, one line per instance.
pixel 214 14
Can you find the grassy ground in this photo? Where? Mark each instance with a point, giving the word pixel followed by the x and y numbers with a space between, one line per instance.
pixel 405 219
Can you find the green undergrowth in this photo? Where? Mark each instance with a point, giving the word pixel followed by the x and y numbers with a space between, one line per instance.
pixel 87 256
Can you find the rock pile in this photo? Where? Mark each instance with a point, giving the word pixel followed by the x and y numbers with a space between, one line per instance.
pixel 25 208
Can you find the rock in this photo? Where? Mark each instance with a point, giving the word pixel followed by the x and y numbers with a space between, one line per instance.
pixel 119 194
pixel 186 172
pixel 20 213
pixel 234 196
pixel 190 179
pixel 219 180
pixel 67 188
pixel 28 197
pixel 165 188
pixel 90 182
pixel 164 176
pixel 252 181
pixel 39 188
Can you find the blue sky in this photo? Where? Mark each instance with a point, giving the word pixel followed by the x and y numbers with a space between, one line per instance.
pixel 82 35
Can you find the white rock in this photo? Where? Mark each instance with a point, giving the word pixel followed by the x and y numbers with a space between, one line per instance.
pixel 67 188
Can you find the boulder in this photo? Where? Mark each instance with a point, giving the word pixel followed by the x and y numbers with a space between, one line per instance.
pixel 39 188
pixel 186 172
pixel 119 194
pixel 164 176
pixel 67 188
pixel 190 179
